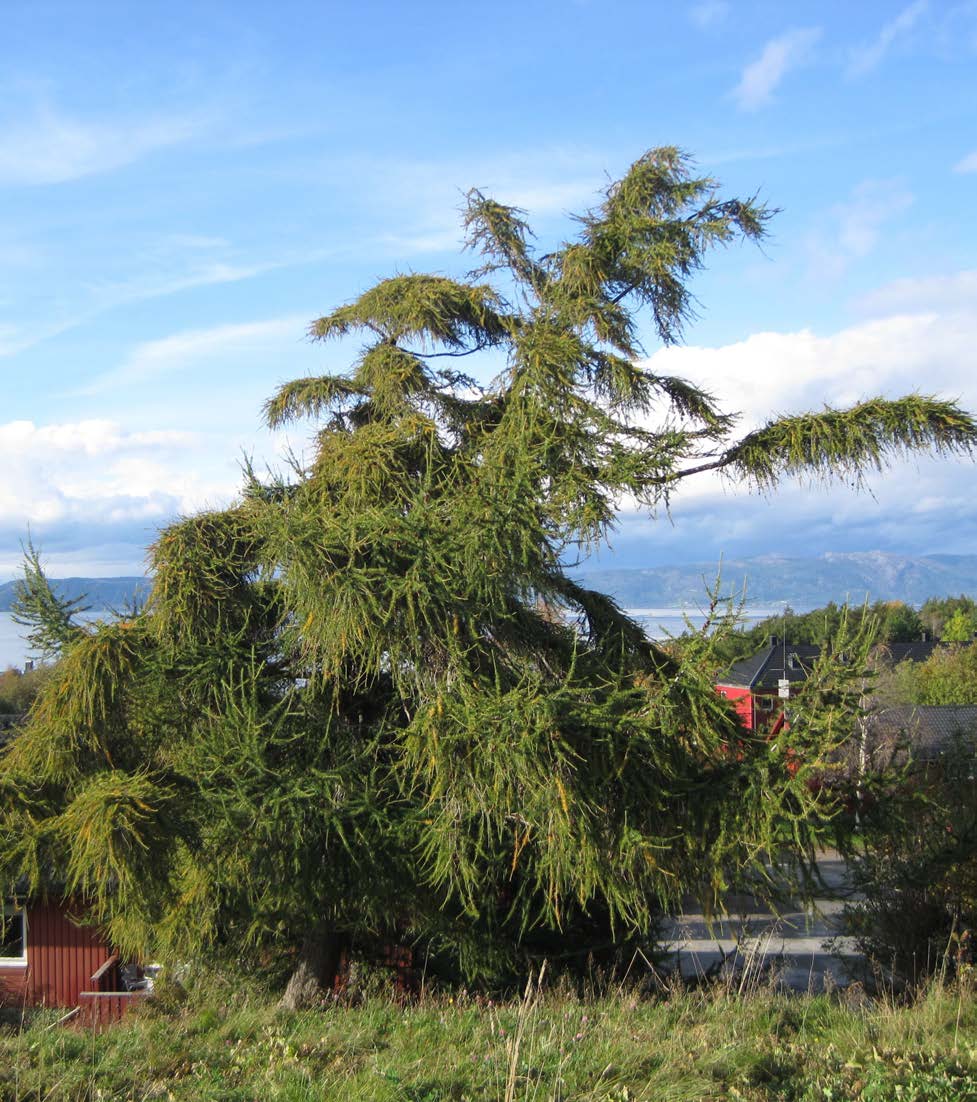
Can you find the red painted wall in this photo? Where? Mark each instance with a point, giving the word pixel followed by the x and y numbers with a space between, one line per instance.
pixel 61 958
pixel 741 700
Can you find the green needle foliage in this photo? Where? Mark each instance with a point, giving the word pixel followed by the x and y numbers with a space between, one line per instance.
pixel 367 700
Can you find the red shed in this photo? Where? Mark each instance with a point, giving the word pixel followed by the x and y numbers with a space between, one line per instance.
pixel 47 959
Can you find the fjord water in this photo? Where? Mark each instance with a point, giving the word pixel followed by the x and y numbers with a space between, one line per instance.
pixel 14 650
pixel 663 623
pixel 659 623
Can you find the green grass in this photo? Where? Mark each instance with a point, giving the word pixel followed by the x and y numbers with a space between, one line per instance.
pixel 236 1046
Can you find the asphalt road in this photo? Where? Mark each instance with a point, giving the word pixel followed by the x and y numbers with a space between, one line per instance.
pixel 751 943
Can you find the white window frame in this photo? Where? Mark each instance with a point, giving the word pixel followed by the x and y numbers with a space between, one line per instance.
pixel 9 911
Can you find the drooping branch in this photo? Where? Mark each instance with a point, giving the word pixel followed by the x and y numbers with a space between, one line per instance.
pixel 309 397
pixel 420 307
pixel 843 443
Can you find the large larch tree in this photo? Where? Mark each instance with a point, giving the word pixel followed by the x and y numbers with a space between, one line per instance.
pixel 367 700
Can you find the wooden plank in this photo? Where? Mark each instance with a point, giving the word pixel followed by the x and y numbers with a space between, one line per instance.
pixel 99 972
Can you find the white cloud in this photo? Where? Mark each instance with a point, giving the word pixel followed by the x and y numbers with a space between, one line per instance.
pixel 94 484
pixel 950 295
pixel 194 348
pixel 854 228
pixel 98 476
pixel 761 78
pixel 866 58
pixel 709 14
pixel 967 164
pixel 91 438
pixel 920 505
pixel 52 148
pixel 770 373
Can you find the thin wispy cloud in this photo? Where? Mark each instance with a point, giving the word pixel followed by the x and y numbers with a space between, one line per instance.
pixel 761 78
pixel 967 164
pixel 709 14
pixel 182 351
pixel 422 198
pixel 955 293
pixel 107 296
pixel 866 58
pixel 51 147
pixel 853 229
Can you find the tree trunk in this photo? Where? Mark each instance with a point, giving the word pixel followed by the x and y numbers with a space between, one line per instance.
pixel 315 969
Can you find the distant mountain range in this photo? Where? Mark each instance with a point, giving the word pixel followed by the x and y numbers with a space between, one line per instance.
pixel 768 580
pixel 802 583
pixel 99 593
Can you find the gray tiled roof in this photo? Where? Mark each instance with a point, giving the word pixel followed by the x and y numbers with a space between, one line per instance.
pixel 761 672
pixel 929 730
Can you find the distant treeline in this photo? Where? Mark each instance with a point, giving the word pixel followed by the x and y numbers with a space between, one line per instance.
pixel 18 689
pixel 951 619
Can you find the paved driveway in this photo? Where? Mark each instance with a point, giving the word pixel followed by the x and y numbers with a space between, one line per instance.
pixel 750 938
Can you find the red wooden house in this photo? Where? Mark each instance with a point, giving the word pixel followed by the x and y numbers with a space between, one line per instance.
pixel 760 687
pixel 48 959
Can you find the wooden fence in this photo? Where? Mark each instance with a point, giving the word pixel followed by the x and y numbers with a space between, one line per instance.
pixel 98 1008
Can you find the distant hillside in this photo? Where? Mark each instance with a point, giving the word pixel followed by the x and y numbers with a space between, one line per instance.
pixel 100 593
pixel 769 580
pixel 802 583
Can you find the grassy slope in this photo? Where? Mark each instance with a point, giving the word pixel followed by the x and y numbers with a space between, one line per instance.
pixel 686 1046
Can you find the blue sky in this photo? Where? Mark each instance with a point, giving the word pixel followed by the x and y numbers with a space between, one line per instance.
pixel 182 192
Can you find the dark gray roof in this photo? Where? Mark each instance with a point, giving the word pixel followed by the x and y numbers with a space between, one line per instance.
pixel 891 654
pixel 761 672
pixel 928 730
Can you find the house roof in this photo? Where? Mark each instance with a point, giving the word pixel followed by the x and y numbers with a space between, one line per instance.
pixel 891 654
pixel 793 661
pixel 928 730
pixel 779 661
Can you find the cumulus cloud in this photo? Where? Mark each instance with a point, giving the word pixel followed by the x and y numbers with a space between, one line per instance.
pixel 920 505
pixel 97 484
pixel 869 57
pixel 782 372
pixel 761 78
pixel 93 482
pixel 918 508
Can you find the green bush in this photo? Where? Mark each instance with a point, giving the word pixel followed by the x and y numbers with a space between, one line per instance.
pixel 917 874
pixel 19 687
